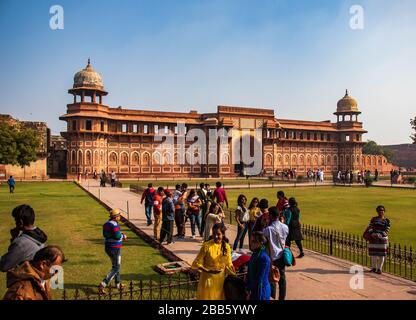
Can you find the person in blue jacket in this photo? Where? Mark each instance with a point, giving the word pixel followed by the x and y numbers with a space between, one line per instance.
pixel 11 182
pixel 258 284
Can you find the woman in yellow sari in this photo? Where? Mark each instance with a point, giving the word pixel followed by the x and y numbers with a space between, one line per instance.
pixel 214 262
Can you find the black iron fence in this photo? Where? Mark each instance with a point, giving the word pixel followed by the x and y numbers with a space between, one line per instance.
pixel 400 260
pixel 168 287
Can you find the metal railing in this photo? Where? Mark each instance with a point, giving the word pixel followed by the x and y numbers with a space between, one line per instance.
pixel 167 287
pixel 400 260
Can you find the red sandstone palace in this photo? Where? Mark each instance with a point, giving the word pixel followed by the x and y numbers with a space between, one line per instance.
pixel 115 139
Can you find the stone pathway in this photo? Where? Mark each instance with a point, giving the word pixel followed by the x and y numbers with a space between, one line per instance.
pixel 315 277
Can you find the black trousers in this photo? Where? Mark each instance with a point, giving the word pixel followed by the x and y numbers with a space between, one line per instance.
pixel 282 282
pixel 11 189
pixel 180 221
pixel 166 231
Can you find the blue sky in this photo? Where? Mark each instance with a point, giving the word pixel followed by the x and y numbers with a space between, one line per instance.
pixel 294 56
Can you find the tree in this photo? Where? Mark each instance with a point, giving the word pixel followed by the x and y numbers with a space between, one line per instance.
pixel 17 147
pixel 8 147
pixel 27 145
pixel 371 147
pixel 413 124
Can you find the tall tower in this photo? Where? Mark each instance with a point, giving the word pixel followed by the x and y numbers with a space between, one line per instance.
pixel 350 132
pixel 88 83
pixel 87 125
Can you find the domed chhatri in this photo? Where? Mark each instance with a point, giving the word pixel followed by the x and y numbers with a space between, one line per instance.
pixel 88 78
pixel 347 104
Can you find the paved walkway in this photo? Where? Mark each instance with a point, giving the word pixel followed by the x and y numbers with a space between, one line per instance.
pixel 315 277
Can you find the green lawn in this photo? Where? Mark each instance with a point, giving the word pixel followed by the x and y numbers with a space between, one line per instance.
pixel 73 220
pixel 347 209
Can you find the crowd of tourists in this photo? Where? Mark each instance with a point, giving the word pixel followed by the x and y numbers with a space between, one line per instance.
pixel 202 207
pixel 270 229
pixel 311 175
pixel 348 176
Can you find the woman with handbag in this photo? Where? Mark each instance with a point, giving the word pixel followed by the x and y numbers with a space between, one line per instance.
pixel 258 284
pixel 377 236
pixel 193 212
pixel 214 262
pixel 242 217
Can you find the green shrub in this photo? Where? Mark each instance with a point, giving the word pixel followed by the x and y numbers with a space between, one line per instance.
pixel 368 181
pixel 300 178
pixel 411 180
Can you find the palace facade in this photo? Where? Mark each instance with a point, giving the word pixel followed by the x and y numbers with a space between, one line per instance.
pixel 100 137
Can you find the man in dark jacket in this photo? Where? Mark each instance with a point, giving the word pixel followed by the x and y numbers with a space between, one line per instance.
pixel 31 280
pixel 168 218
pixel 147 197
pixel 26 239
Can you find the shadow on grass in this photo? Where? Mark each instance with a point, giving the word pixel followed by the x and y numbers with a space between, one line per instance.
pixel 128 243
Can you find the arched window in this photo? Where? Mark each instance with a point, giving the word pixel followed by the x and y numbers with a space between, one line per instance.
pixel 225 159
pixel 112 159
pixel 322 162
pixel 96 158
pixel 308 160
pixel 328 160
pixel 315 160
pixel 287 160
pixel 294 160
pixel 102 158
pixel 167 159
pixel 135 159
pixel 73 157
pixel 335 160
pixel 146 159
pixel 268 160
pixel 156 158
pixel 80 157
pixel 212 159
pixel 301 160
pixel 279 159
pixel 88 158
pixel 124 159
pixel 347 160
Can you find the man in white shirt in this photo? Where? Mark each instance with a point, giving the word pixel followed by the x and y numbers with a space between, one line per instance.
pixel 113 179
pixel 276 234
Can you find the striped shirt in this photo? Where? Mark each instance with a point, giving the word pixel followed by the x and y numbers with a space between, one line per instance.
pixel 112 234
